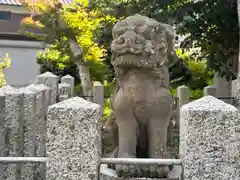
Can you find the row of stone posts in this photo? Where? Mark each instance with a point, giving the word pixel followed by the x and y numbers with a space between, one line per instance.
pixel 183 93
pixel 209 138
pixel 24 122
pixel 70 134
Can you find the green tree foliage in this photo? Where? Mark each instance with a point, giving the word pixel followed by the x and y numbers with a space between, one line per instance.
pixel 5 62
pixel 199 76
pixel 210 24
pixel 80 24
pixel 213 26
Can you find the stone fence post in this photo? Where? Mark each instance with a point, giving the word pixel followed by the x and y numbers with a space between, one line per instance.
pixel 70 81
pixel 64 91
pixel 234 87
pixel 43 100
pixel 74 140
pixel 209 140
pixel 50 80
pixel 210 91
pixel 98 94
pixel 11 131
pixel 183 96
pixel 17 136
pixel 223 86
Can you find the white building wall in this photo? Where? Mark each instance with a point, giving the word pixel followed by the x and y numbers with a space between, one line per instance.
pixel 24 67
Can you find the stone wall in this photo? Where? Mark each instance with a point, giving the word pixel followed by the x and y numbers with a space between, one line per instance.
pixel 23 117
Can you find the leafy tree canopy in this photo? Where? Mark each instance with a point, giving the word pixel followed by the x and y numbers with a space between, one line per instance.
pixel 209 24
pixel 5 62
pixel 80 23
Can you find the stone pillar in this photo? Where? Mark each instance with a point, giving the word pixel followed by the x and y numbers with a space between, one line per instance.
pixel 3 133
pixel 98 94
pixel 224 88
pixel 11 131
pixel 69 80
pixel 43 99
pixel 28 130
pixel 183 96
pixel 209 140
pixel 210 91
pixel 234 88
pixel 74 140
pixel 64 91
pixel 50 80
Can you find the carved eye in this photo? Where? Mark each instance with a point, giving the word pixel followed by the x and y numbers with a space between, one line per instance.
pixel 120 40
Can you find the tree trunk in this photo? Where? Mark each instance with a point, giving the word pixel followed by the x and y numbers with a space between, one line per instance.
pixel 86 82
pixel 83 70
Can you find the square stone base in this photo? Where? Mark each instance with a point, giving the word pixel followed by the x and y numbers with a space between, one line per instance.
pixel 109 174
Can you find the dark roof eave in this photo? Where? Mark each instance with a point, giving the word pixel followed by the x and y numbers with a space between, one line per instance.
pixel 17 3
pixel 17 36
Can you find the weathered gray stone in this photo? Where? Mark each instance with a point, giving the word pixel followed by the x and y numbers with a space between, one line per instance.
pixel 224 87
pixel 210 140
pixel 109 174
pixel 49 80
pixel 11 131
pixel 210 91
pixel 183 95
pixel 237 93
pixel 42 103
pixel 64 91
pixel 43 97
pixel 98 93
pixel 28 128
pixel 3 131
pixel 234 87
pixel 142 108
pixel 74 140
pixel 69 80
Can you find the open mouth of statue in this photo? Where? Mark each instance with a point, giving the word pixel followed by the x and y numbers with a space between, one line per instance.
pixel 120 51
pixel 129 60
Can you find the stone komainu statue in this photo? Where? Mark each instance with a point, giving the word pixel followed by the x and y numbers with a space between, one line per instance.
pixel 142 104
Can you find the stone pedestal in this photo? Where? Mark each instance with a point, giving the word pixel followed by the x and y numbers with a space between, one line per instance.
pixel 109 174
pixel 74 140
pixel 210 140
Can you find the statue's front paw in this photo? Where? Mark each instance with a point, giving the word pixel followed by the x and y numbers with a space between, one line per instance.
pixel 126 170
pixel 162 171
pixel 152 171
